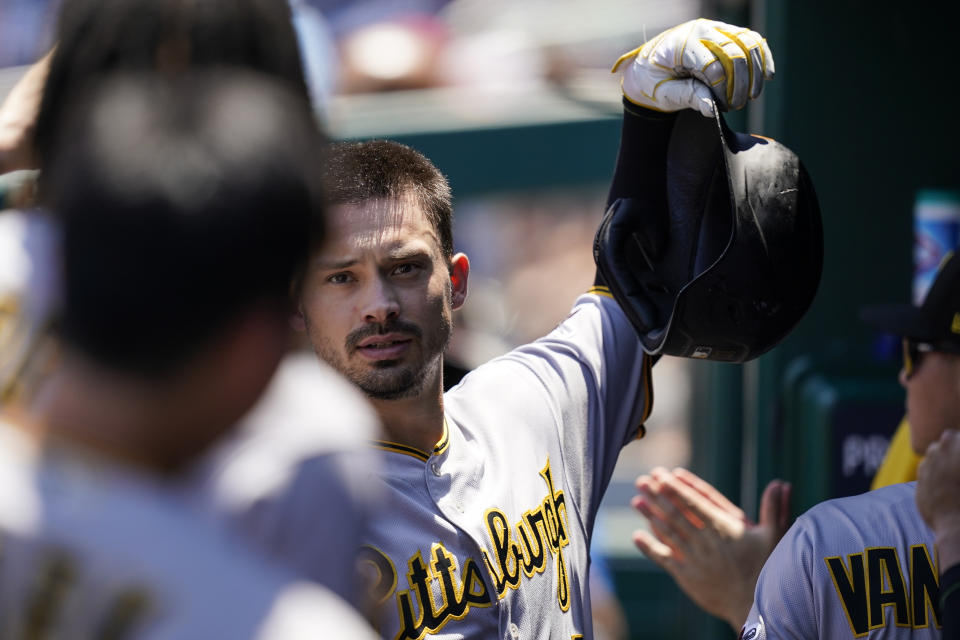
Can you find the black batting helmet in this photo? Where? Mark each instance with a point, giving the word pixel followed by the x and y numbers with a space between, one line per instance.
pixel 733 262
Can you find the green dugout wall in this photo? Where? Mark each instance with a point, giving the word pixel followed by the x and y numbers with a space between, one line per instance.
pixel 861 95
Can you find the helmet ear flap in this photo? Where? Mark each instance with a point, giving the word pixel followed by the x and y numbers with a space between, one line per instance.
pixel 732 262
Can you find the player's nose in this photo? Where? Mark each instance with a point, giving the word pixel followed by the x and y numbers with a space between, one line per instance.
pixel 381 302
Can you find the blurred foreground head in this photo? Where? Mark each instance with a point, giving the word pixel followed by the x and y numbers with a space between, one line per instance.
pixel 95 37
pixel 184 203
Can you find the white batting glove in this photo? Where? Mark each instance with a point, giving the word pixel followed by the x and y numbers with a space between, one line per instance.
pixel 692 64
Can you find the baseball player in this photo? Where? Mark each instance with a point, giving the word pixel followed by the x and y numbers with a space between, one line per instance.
pixel 938 485
pixel 493 487
pixel 867 565
pixel 281 475
pixel 185 208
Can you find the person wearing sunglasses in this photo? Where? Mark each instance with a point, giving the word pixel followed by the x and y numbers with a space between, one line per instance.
pixel 849 567
pixel 869 563
pixel 938 499
pixel 931 354
pixel 931 376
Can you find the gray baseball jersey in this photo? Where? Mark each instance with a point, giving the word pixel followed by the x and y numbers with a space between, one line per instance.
pixel 89 549
pixel 295 477
pixel 855 567
pixel 488 535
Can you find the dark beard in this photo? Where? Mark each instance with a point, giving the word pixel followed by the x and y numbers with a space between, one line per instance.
pixel 402 383
pixel 389 380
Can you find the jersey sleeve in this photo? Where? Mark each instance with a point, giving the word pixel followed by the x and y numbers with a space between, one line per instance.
pixel 298 483
pixel 596 378
pixel 641 166
pixel 783 603
pixel 616 388
pixel 642 156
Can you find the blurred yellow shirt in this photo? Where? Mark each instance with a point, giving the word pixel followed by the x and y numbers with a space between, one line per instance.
pixel 900 462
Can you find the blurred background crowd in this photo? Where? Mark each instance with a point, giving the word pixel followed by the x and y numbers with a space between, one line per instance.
pixel 375 45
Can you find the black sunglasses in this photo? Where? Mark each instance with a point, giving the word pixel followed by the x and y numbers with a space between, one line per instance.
pixel 913 352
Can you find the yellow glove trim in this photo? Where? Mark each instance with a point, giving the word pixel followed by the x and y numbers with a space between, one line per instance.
pixel 746 52
pixel 653 44
pixel 678 54
pixel 624 57
pixel 652 99
pixel 725 61
pixel 657 86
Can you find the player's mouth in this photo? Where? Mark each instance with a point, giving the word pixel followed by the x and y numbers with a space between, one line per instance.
pixel 390 346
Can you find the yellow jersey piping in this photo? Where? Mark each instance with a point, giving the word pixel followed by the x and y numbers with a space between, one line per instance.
pixel 396 447
pixel 600 290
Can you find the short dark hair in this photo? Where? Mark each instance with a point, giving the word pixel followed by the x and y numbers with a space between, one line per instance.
pixel 360 171
pixel 95 37
pixel 183 202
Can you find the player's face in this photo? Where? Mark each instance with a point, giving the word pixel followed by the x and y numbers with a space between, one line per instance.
pixel 377 298
pixel 933 398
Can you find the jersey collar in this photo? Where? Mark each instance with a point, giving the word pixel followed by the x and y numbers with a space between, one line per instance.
pixel 396 447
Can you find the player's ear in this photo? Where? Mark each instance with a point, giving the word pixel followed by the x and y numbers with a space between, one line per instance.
pixel 297 320
pixel 459 272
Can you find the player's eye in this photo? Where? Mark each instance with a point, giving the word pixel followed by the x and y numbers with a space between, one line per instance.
pixel 339 278
pixel 406 269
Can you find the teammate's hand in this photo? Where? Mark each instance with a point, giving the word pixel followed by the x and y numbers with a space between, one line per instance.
pixel 18 115
pixel 684 67
pixel 705 542
pixel 938 485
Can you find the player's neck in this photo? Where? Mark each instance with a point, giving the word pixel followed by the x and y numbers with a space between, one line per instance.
pixel 416 421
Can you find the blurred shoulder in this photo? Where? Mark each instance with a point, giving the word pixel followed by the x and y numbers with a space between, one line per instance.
pixel 312 405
